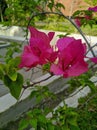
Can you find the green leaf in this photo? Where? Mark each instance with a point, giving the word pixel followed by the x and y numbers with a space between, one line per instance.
pixel 65 127
pixel 60 5
pixel 36 111
pixel 42 119
pixel 1 74
pixel 46 67
pixel 50 126
pixel 72 118
pixel 14 86
pixel 1 71
pixel 91 86
pixel 33 122
pixel 74 127
pixel 63 35
pixel 72 121
pixel 12 68
pixel 12 74
pixel 33 93
pixel 23 124
pixel 39 98
pixel 14 62
pixel 57 127
pixel 51 5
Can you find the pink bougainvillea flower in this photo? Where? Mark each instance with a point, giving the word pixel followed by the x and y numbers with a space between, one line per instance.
pixel 94 59
pixel 78 22
pixel 94 9
pixel 28 59
pixel 39 50
pixel 88 17
pixel 41 35
pixel 71 54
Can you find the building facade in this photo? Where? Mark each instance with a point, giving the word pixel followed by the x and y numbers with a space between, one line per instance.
pixel 72 5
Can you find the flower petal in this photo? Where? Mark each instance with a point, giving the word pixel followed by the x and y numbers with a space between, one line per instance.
pixel 56 70
pixel 77 69
pixel 93 8
pixel 70 58
pixel 51 35
pixel 94 59
pixel 39 35
pixel 78 22
pixel 64 42
pixel 28 59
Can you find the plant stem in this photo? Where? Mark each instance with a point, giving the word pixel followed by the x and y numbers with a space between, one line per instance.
pixel 34 83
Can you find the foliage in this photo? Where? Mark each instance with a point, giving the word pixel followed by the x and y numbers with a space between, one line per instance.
pixel 42 93
pixel 19 12
pixel 11 78
pixel 87 110
pixel 82 80
pixel 15 85
pixel 61 116
pixel 66 59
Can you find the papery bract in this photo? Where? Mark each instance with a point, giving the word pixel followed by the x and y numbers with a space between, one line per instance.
pixel 39 50
pixel 41 35
pixel 88 17
pixel 28 59
pixel 94 59
pixel 70 58
pixel 78 22
pixel 94 9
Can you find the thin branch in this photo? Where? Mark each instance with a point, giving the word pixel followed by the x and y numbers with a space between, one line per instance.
pixel 21 95
pixel 91 48
pixel 34 83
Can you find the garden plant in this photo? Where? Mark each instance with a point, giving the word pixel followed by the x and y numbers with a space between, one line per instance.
pixel 67 58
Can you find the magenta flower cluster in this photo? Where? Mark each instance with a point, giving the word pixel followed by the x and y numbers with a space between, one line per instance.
pixel 39 51
pixel 94 9
pixel 86 17
pixel 68 59
pixel 71 54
